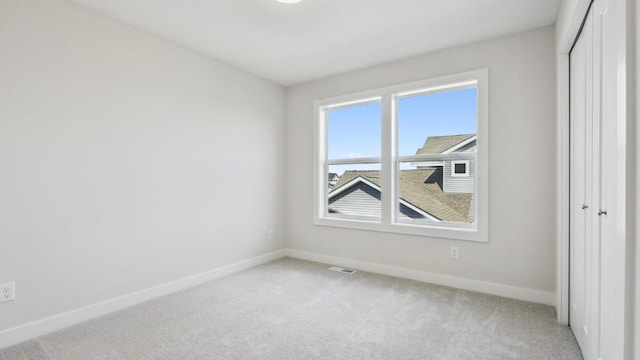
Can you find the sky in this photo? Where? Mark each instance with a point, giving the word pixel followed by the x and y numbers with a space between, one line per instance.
pixel 356 131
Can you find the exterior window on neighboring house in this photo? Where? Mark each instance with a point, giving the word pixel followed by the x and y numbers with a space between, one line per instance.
pixel 460 168
pixel 409 159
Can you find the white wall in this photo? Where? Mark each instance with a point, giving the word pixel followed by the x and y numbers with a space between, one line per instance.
pixel 126 161
pixel 521 248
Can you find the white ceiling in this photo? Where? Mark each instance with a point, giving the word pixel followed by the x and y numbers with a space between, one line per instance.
pixel 293 43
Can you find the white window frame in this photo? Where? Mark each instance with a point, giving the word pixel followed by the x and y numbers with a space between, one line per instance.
pixel 389 160
pixel 466 168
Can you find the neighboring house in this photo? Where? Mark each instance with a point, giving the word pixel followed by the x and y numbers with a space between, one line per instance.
pixel 333 179
pixel 459 176
pixel 435 190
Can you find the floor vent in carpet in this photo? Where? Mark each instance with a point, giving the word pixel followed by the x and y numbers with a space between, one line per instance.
pixel 342 270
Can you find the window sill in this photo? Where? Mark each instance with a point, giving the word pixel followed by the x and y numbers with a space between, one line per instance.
pixel 448 232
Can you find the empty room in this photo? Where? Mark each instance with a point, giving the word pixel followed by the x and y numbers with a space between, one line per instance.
pixel 319 179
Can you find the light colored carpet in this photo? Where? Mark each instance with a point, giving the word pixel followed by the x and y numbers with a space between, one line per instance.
pixel 293 309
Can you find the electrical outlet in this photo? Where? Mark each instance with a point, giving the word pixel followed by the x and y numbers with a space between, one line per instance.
pixel 270 234
pixel 455 253
pixel 7 292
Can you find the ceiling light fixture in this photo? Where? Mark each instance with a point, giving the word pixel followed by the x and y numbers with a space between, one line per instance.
pixel 289 1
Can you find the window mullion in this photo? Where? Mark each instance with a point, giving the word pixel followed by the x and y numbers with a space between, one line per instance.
pixel 386 173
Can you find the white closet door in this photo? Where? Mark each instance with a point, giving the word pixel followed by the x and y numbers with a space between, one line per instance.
pixel 583 244
pixel 597 183
pixel 609 132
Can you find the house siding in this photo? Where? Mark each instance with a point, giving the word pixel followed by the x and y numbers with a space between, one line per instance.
pixel 363 200
pixel 472 207
pixel 360 200
pixel 471 147
pixel 460 184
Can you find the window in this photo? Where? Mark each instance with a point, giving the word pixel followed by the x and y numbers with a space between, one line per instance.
pixel 460 168
pixel 353 153
pixel 408 159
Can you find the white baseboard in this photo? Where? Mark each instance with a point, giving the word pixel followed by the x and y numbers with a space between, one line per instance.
pixel 535 296
pixel 37 328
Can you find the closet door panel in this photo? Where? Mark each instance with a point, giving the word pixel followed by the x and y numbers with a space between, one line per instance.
pixel 584 250
pixel 592 240
pixel 578 192
pixel 610 113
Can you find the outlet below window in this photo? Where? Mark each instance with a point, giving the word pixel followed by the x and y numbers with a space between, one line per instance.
pixel 7 292
pixel 455 253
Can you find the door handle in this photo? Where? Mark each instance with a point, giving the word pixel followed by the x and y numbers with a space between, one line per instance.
pixel 585 206
pixel 602 212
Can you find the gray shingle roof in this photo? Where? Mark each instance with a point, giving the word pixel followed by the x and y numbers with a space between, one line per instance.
pixel 439 144
pixel 423 189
